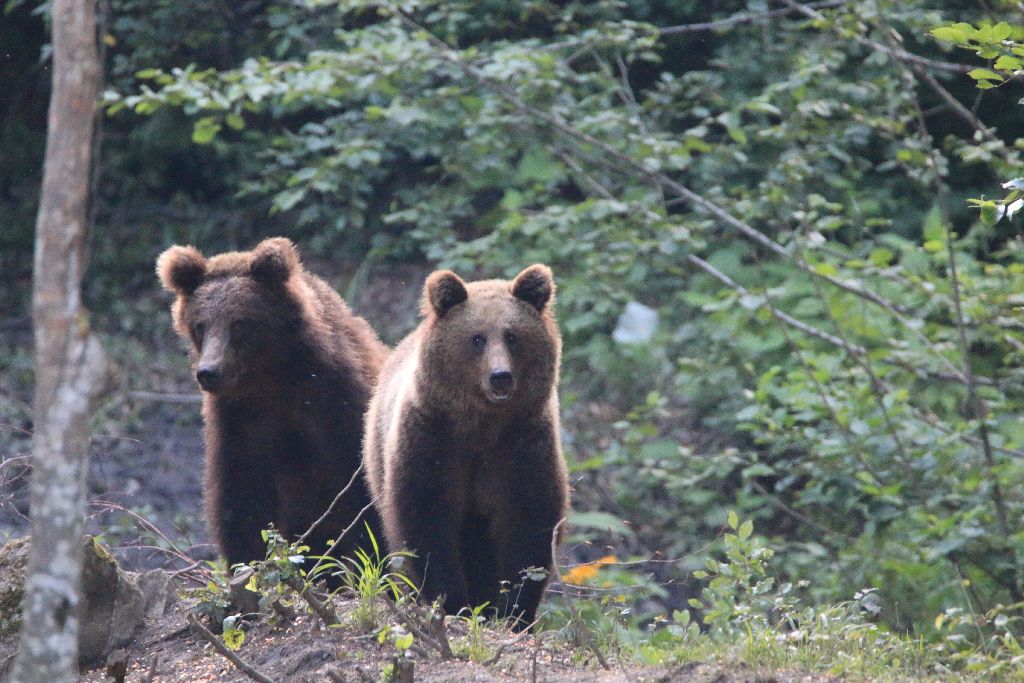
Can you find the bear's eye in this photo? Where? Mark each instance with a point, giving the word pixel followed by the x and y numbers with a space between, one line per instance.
pixel 479 342
pixel 198 330
pixel 511 340
pixel 239 328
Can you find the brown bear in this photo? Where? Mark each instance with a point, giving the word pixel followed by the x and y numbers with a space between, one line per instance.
pixel 286 371
pixel 462 443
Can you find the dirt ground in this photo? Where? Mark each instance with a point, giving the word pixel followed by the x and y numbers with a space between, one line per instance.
pixel 303 651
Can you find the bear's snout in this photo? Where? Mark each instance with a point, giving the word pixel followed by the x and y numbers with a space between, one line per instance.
pixel 209 377
pixel 502 384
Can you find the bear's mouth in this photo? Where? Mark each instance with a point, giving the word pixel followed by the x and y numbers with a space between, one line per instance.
pixel 495 396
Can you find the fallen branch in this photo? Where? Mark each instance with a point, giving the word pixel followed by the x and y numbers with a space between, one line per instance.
pixel 322 609
pixel 428 633
pixel 220 647
pixel 493 659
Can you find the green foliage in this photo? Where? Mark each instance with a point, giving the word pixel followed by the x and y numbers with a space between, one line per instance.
pixel 370 577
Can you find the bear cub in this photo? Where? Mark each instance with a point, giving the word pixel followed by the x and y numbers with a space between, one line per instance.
pixel 286 371
pixel 462 446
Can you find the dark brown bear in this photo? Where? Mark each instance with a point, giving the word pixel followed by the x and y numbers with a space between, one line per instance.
pixel 462 443
pixel 286 371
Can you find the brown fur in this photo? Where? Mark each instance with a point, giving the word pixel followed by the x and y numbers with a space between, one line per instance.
pixel 472 482
pixel 289 371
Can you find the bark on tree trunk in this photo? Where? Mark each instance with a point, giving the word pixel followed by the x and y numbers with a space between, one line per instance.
pixel 69 361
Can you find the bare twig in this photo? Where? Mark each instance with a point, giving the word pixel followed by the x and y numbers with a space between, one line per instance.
pixel 577 619
pixel 151 672
pixel 739 19
pixel 220 647
pixel 330 508
pixel 158 397
pixel 344 533
pixel 895 52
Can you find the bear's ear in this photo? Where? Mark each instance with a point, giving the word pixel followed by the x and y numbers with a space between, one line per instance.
pixel 535 286
pixel 443 290
pixel 274 260
pixel 181 269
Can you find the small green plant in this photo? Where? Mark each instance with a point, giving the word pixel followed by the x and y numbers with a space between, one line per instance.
pixel 369 577
pixel 474 646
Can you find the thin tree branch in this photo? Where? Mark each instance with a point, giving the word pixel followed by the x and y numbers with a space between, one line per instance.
pixel 739 19
pixel 344 533
pixel 330 508
pixel 895 52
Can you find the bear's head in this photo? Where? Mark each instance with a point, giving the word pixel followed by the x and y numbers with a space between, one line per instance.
pixel 493 344
pixel 240 311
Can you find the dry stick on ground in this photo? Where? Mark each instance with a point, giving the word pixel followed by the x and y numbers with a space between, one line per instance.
pixel 577 619
pixel 428 632
pixel 220 647
pixel 305 591
pixel 493 659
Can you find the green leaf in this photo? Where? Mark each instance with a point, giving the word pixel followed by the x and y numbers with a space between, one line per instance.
pixel 1007 63
pixel 989 215
pixel 949 34
pixel 733 519
pixel 984 74
pixel 933 228
pixel 234 121
pixel 538 165
pixel 1001 31
pixel 404 642
pixel 745 530
pixel 601 521
pixel 205 130
pixel 233 638
pixel 881 257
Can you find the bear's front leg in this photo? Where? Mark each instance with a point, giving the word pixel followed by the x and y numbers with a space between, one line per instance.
pixel 533 503
pixel 422 515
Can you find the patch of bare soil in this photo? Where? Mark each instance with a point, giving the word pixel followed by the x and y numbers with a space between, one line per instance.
pixel 302 650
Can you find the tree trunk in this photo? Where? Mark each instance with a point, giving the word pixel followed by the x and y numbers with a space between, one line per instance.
pixel 69 361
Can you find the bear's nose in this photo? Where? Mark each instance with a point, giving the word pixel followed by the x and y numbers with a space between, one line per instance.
pixel 502 382
pixel 208 376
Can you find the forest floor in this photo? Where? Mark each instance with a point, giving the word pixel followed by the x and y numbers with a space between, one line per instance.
pixel 168 650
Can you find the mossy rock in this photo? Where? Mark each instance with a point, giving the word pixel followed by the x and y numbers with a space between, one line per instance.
pixel 114 602
pixel 13 566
